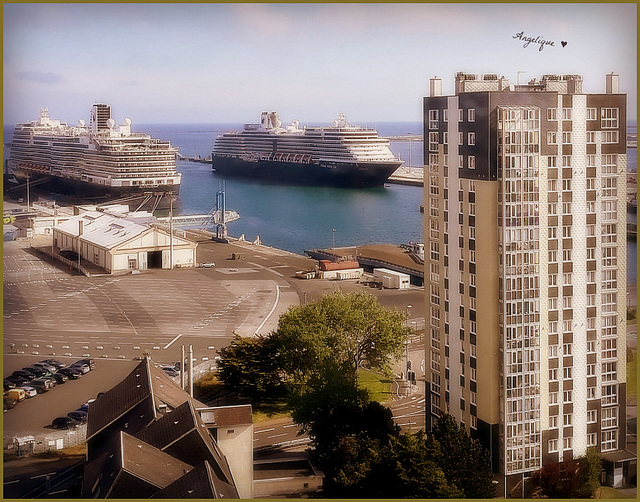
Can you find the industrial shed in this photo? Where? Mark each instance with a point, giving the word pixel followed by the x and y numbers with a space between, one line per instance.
pixel 118 244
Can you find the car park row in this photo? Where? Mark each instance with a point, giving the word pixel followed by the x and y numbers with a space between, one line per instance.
pixel 41 377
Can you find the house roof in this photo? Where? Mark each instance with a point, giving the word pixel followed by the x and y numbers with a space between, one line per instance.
pixel 198 483
pixel 140 467
pixel 227 416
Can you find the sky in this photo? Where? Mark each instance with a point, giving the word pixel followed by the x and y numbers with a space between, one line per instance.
pixel 221 63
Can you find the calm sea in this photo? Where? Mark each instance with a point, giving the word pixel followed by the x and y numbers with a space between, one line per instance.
pixel 298 218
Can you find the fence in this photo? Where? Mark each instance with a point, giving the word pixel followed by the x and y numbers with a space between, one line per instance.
pixel 49 440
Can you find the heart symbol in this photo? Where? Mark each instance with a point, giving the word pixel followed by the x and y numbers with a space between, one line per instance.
pixel 563 43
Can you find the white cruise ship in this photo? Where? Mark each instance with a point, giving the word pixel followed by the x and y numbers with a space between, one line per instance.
pixel 338 155
pixel 89 162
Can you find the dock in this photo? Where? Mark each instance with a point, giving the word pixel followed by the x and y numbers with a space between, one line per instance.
pixel 372 256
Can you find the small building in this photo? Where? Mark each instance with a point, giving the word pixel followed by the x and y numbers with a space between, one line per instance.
pixel 392 279
pixel 120 243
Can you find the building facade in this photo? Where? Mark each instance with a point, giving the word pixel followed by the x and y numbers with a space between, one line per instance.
pixel 525 266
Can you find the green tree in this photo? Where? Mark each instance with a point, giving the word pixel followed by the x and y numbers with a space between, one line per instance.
pixel 590 470
pixel 466 464
pixel 250 368
pixel 352 330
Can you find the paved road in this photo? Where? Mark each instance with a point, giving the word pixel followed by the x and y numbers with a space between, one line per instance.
pixel 50 311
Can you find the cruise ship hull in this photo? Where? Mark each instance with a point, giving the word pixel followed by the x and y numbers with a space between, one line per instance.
pixel 77 191
pixel 339 174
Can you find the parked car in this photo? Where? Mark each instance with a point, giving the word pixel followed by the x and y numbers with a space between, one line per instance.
pixel 84 407
pixel 51 369
pixel 30 372
pixel 84 368
pixel 18 394
pixel 90 362
pixel 72 373
pixel 8 403
pixel 29 391
pixel 24 374
pixel 64 423
pixel 78 416
pixel 60 378
pixel 170 370
pixel 43 384
pixel 8 384
pixel 38 371
pixel 208 264
pixel 54 362
pixel 18 380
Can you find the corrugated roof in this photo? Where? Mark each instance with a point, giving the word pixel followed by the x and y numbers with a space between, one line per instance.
pixel 103 229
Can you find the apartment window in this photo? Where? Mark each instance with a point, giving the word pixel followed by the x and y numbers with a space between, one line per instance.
pixel 433 141
pixel 609 440
pixel 471 138
pixel 591 393
pixel 591 369
pixel 445 137
pixel 472 162
pixel 553 350
pixel 552 161
pixel 591 137
pixel 553 397
pixel 566 114
pixel 567 443
pixel 460 138
pixel 460 115
pixel 592 416
pixel 591 347
pixel 609 371
pixel 553 278
pixel 567 419
pixel 566 137
pixel 474 422
pixel 609 348
pixel 592 114
pixel 433 119
pixel 553 208
pixel 567 396
pixel 609 417
pixel 566 208
pixel 609 118
pixel 445 115
pixel 566 161
pixel 551 138
pixel 460 161
pixel 566 255
pixel 592 439
pixel 553 421
pixel 552 114
pixel 553 445
pixel 553 256
pixel 567 349
pixel 553 375
pixel 566 277
pixel 566 185
pixel 553 185
pixel 567 373
pixel 609 137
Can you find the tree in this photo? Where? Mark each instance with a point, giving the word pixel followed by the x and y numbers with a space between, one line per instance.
pixel 249 367
pixel 352 330
pixel 466 464
pixel 590 470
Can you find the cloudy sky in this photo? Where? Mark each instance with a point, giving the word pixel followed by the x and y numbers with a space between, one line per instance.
pixel 193 63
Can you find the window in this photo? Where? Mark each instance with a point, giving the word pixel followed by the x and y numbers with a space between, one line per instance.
pixel 566 185
pixel 552 114
pixel 553 208
pixel 592 416
pixel 566 137
pixel 553 398
pixel 567 349
pixel 566 114
pixel 567 396
pixel 460 161
pixel 609 137
pixel 472 162
pixel 471 115
pixel 553 278
pixel 553 185
pixel 445 115
pixel 552 161
pixel 471 138
pixel 433 141
pixel 553 445
pixel 609 417
pixel 567 419
pixel 591 369
pixel 566 208
pixel 591 113
pixel 609 118
pixel 591 137
pixel 609 440
pixel 566 255
pixel 553 350
pixel 566 161
pixel 591 393
pixel 433 119
pixel 609 371
pixel 567 443
pixel 553 421
pixel 567 373
pixel 551 138
pixel 553 303
pixel 553 375
pixel 592 439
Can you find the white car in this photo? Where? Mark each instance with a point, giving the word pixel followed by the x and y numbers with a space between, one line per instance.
pixel 208 264
pixel 29 391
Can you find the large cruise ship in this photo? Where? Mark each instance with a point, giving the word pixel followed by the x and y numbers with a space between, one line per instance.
pixel 337 155
pixel 92 162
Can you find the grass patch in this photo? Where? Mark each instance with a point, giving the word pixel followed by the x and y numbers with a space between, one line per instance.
pixel 606 492
pixel 632 374
pixel 378 386
pixel 269 411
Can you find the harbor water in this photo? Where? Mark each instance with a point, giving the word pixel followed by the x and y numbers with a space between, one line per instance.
pixel 296 218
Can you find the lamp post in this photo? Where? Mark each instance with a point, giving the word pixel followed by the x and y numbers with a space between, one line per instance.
pixel 406 345
pixel 333 238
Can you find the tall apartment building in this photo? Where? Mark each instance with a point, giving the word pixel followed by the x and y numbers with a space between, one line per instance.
pixel 525 267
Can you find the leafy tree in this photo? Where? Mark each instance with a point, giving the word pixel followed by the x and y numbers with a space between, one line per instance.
pixel 466 464
pixel 590 470
pixel 352 330
pixel 249 367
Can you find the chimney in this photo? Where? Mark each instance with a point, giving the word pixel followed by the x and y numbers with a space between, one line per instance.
pixel 435 87
pixel 612 83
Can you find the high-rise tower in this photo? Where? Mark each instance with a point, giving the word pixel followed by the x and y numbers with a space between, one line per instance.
pixel 525 266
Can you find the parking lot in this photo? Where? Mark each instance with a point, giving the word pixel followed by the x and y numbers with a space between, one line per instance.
pixel 52 312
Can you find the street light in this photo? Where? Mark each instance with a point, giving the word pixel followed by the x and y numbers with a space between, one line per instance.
pixel 406 343
pixel 333 238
